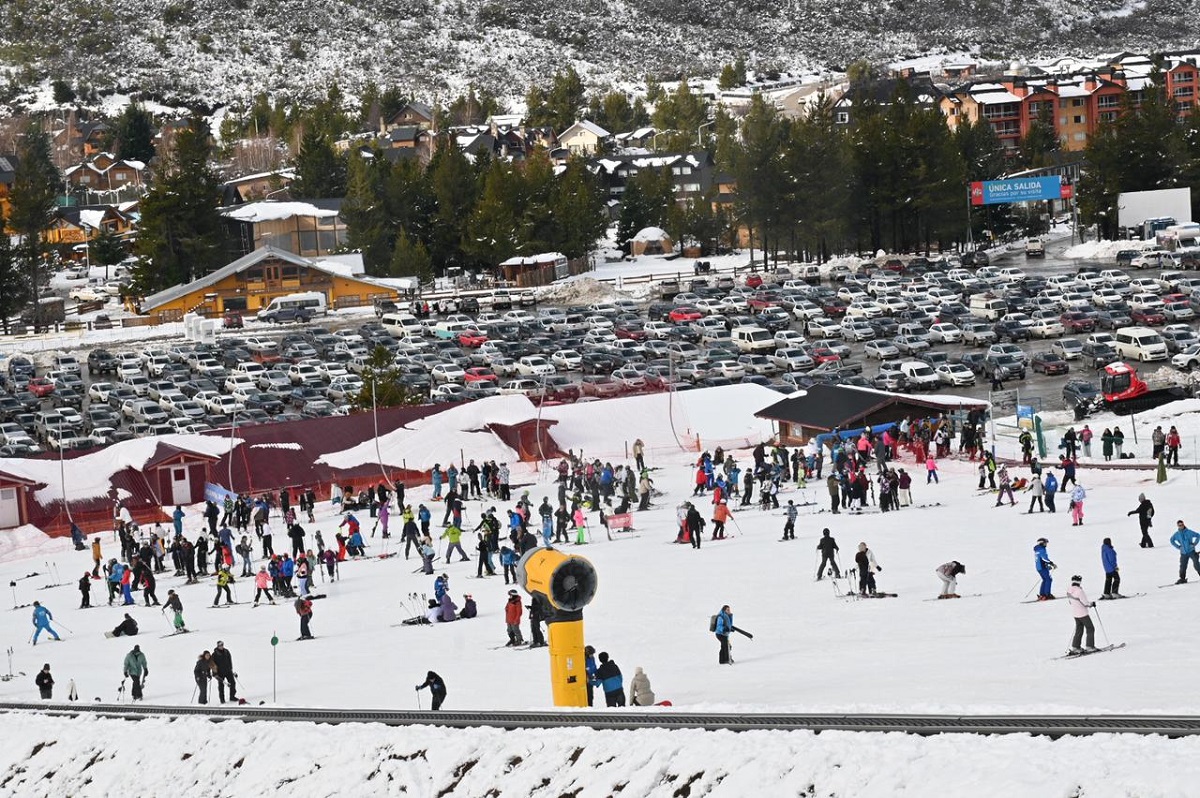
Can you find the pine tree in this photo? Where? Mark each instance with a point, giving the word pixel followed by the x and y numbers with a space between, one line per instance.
pixel 577 207
pixel 14 284
pixel 181 235
pixel 381 384
pixel 494 232
pixel 320 172
pixel 32 202
pixel 133 134
pixel 410 258
pixel 367 224
pixel 454 190
pixel 107 250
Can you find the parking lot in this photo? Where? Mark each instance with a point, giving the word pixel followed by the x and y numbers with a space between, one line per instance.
pixel 896 324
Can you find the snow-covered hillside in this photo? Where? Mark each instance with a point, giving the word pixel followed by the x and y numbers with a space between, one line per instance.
pixel 218 50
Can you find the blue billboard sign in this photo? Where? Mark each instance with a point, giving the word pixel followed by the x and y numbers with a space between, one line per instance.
pixel 1021 189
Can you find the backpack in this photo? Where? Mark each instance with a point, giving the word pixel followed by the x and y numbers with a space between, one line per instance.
pixel 712 624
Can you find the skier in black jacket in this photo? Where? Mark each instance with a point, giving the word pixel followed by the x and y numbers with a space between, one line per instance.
pixel 437 688
pixel 828 548
pixel 1144 512
pixel 223 662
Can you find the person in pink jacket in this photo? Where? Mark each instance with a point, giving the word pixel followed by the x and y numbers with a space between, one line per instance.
pixel 931 473
pixel 1081 609
pixel 262 584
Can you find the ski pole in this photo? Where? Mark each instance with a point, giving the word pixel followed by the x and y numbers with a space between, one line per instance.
pixel 64 626
pixel 419 699
pixel 1096 609
pixel 1036 585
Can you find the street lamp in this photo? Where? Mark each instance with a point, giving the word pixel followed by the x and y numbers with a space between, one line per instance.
pixel 699 141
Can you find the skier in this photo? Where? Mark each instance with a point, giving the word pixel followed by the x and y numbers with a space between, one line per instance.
pixel 640 694
pixel 454 536
pixel 720 516
pixel 42 618
pixel 224 578
pixel 512 619
pixel 867 568
pixel 831 483
pixel 789 526
pixel 608 676
pixel 203 672
pixel 176 606
pixel 1036 490
pixel 85 590
pixel 1005 487
pixel 135 668
pixel 1044 566
pixel 304 610
pixel 1145 514
pixel 948 573
pixel 1184 540
pixel 695 525
pixel 828 547
pixel 223 664
pixel 536 616
pixel 1078 494
pixel 469 610
pixel 1051 488
pixel 126 628
pixel 45 682
pixel 723 629
pixel 437 689
pixel 1080 607
pixel 1112 574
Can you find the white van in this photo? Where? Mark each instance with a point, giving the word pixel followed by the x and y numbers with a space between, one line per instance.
pixel 919 376
pixel 402 325
pixel 753 340
pixel 987 306
pixel 312 301
pixel 1140 343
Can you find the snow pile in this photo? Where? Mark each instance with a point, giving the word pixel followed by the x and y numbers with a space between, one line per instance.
pixel 286 445
pixel 28 541
pixel 271 211
pixel 579 290
pixel 94 757
pixel 1104 250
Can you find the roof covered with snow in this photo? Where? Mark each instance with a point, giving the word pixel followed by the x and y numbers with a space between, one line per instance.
pixel 272 211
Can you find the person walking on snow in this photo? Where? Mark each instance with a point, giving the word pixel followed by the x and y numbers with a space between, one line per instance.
pixel 304 610
pixel 828 547
pixel 931 470
pixel 1184 540
pixel 135 668
pixel 437 689
pixel 948 573
pixel 41 622
pixel 723 629
pixel 512 619
pixel 85 590
pixel 608 675
pixel 1078 494
pixel 1005 487
pixel 789 526
pixel 223 665
pixel 45 682
pixel 203 673
pixel 1112 574
pixel 1051 489
pixel 1080 608
pixel 1145 514
pixel 867 568
pixel 1044 565
pixel 1036 491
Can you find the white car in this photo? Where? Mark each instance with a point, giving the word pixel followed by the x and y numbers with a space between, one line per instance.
pixel 945 333
pixel 955 374
pixel 86 293
pixel 332 369
pixel 170 400
pixel 526 387
pixel 792 359
pixel 446 372
pixel 534 366
pixel 98 391
pixel 730 369
pixel 1046 328
pixel 1188 359
pixel 222 405
pixel 786 339
pixel 658 329
pixel 567 359
pixel 448 392
pixel 881 350
pixel 1067 349
pixel 822 327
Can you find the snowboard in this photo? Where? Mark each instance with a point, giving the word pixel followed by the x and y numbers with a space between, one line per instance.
pixel 1118 598
pixel 1101 650
pixel 310 637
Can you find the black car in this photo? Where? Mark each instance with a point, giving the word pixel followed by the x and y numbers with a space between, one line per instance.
pixel 1049 363
pixel 8 406
pixel 231 357
pixel 1099 354
pixel 597 363
pixel 1010 330
pixel 265 402
pixel 975 361
pixel 1079 392
pixel 1010 366
pixel 101 361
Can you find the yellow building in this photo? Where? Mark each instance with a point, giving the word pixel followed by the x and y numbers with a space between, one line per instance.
pixel 248 285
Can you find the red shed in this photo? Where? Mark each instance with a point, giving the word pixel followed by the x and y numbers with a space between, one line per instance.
pixel 176 475
pixel 14 500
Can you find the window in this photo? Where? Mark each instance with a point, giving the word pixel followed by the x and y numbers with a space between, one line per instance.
pixel 1182 91
pixel 1184 106
pixel 1185 77
pixel 1077 102
pixel 1062 121
pixel 1078 120
pixel 1080 137
pixel 1108 116
pixel 693 188
pixel 1107 101
pixel 843 117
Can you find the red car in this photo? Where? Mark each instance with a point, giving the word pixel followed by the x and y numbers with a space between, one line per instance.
pixel 40 387
pixel 480 374
pixel 472 338
pixel 753 280
pixel 1076 322
pixel 763 300
pixel 833 309
pixel 820 355
pixel 600 385
pixel 684 314
pixel 1148 317
pixel 631 332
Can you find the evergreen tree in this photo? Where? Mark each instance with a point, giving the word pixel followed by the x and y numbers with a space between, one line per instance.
pixel 32 203
pixel 180 238
pixel 614 112
pixel 577 207
pixel 410 258
pixel 107 250
pixel 560 106
pixel 762 184
pixel 368 226
pixel 1040 143
pixel 133 134
pixel 320 172
pixel 454 190
pixel 494 232
pixel 381 384
pixel 14 283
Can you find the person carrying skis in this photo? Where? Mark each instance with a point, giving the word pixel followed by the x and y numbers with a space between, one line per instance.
pixel 867 568
pixel 41 622
pixel 437 689
pixel 126 628
pixel 224 578
pixel 828 547
pixel 203 673
pixel 135 668
pixel 1184 540
pixel 789 526
pixel 948 573
pixel 1044 565
pixel 176 606
pixel 723 629
pixel 1112 574
pixel 1080 608
pixel 304 610
pixel 512 619
pixel 1145 514
pixel 223 664
pixel 45 682
pixel 608 675
pixel 640 693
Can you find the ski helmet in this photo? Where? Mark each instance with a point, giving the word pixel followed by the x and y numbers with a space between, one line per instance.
pixel 1076 579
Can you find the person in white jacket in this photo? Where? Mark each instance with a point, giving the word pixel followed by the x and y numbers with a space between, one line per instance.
pixel 867 568
pixel 1080 608
pixel 948 573
pixel 640 694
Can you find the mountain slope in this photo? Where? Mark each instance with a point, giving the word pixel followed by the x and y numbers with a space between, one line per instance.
pixel 221 50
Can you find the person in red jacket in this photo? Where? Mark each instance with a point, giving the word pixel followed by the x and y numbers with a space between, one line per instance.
pixel 512 619
pixel 1173 447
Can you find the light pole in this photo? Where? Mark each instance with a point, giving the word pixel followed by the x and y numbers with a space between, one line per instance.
pixel 699 140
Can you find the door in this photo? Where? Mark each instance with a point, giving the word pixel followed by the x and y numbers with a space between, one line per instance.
pixel 10 508
pixel 181 486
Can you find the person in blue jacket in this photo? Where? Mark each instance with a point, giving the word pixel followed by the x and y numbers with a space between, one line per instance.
pixel 177 517
pixel 1185 540
pixel 423 516
pixel 589 667
pixel 116 573
pixel 724 630
pixel 1044 566
pixel 41 622
pixel 608 677
pixel 440 586
pixel 1051 489
pixel 1112 575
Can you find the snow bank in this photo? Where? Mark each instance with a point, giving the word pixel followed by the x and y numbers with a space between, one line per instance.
pixel 29 541
pixel 1104 250
pixel 100 757
pixel 580 290
pixel 271 211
